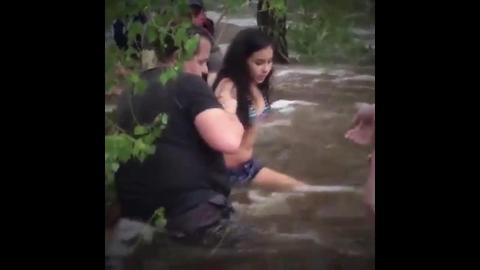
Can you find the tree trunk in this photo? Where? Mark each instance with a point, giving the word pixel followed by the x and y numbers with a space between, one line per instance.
pixel 274 25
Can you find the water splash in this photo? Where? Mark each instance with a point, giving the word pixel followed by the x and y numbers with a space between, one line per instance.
pixel 277 123
pixel 284 103
pixel 367 78
pixel 305 71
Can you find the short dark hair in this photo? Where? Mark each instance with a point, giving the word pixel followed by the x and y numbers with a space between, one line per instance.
pixel 198 3
pixel 166 49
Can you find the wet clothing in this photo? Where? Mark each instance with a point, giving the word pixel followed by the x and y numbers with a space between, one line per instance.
pixel 244 174
pixel 227 238
pixel 184 171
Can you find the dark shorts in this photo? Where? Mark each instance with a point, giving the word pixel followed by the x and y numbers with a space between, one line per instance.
pixel 243 175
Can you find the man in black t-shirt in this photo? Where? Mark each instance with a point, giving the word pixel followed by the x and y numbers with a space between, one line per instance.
pixel 186 175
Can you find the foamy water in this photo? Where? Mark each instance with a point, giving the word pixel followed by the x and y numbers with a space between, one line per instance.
pixel 283 104
pixel 304 71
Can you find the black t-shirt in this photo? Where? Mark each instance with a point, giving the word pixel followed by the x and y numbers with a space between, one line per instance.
pixel 184 171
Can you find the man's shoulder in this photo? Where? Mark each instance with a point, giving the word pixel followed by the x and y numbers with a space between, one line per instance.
pixel 188 77
pixel 152 74
pixel 191 82
pixel 183 84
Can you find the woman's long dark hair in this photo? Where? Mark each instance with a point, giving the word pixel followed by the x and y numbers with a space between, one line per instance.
pixel 235 67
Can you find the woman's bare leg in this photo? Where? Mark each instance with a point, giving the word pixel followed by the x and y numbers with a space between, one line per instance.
pixel 272 180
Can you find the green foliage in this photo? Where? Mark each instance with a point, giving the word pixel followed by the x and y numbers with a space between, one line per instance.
pixel 170 73
pixel 158 219
pixel 164 17
pixel 152 33
pixel 322 31
pixel 118 148
pixel 135 28
pixel 190 46
pixel 278 6
pixel 121 146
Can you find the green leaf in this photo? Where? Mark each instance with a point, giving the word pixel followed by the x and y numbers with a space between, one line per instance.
pixel 125 152
pixel 136 28
pixel 183 7
pixel 152 33
pixel 181 35
pixel 115 166
pixel 140 87
pixel 173 72
pixel 109 144
pixel 164 118
pixel 167 75
pixel 111 55
pixel 142 146
pixel 160 20
pixel 133 78
pixel 159 218
pixel 150 150
pixel 136 148
pixel 140 130
pixel 130 51
pixel 191 46
pixel 158 118
pixel 164 78
pixel 149 138
pixel 186 24
pixel 139 147
pixel 156 132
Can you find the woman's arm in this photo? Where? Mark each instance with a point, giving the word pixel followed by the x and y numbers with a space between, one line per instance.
pixel 227 95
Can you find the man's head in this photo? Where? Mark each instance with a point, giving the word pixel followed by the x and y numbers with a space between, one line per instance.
pixel 197 64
